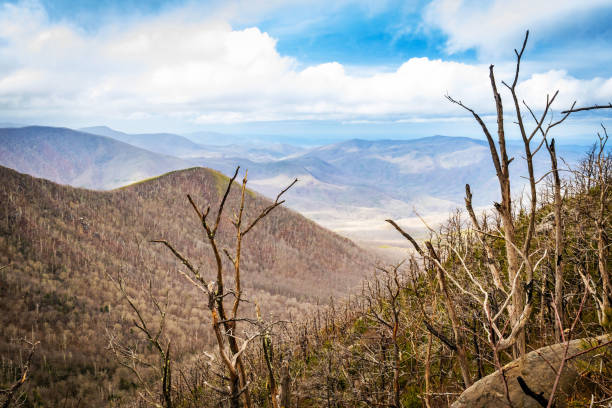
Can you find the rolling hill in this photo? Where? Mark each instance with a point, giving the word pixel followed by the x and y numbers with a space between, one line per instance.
pixel 351 187
pixel 162 143
pixel 60 244
pixel 80 159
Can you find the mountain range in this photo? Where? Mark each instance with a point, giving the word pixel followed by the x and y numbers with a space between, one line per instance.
pixel 80 159
pixel 350 187
pixel 62 245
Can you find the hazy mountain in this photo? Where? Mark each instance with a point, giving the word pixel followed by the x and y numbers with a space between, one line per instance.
pixel 352 186
pixel 212 138
pixel 80 159
pixel 437 166
pixel 261 153
pixel 164 143
pixel 59 243
pixel 217 146
pixel 222 139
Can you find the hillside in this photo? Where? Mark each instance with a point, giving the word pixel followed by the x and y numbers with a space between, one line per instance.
pixel 217 147
pixel 80 159
pixel 163 143
pixel 60 243
pixel 363 182
pixel 350 187
pixel 422 333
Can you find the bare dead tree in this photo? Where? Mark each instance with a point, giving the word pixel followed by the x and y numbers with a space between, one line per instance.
pixel 516 252
pixel 559 241
pixel 266 345
pixel 225 323
pixel 12 393
pixel 459 343
pixel 565 339
pixel 593 178
pixel 390 281
pixel 495 331
pixel 428 371
pixel 279 394
pixel 130 357
pixel 603 179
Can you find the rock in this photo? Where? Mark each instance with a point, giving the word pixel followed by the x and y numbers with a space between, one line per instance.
pixel 547 224
pixel 536 373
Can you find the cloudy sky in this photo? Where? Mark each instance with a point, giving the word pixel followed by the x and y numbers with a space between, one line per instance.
pixel 307 70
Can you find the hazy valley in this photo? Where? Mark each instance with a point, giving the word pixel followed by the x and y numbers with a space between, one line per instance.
pixel 305 204
pixel 349 187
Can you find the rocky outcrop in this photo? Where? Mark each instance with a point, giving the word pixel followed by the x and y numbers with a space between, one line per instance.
pixel 537 375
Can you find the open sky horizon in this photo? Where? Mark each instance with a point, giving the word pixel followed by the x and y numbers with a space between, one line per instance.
pixel 309 72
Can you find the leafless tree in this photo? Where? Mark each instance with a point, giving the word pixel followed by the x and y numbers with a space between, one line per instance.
pixel 559 241
pixel 459 343
pixel 603 180
pixel 130 357
pixel 517 254
pixel 386 288
pixel 592 179
pixel 280 394
pixel 224 322
pixel 11 394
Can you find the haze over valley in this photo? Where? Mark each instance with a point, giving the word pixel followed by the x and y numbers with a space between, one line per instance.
pixel 305 204
pixel 350 187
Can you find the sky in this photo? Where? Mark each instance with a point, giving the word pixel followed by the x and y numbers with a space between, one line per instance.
pixel 305 71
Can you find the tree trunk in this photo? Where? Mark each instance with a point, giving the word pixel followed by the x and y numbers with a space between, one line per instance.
pixel 559 245
pixel 285 392
pixel 396 369
pixel 450 307
pixel 428 371
pixel 603 271
pixel 512 256
pixel 235 392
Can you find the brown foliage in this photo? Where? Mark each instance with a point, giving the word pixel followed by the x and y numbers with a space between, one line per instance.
pixel 60 243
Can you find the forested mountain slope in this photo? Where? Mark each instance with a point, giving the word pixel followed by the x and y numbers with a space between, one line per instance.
pixel 60 244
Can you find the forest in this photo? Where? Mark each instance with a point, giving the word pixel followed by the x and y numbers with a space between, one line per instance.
pixel 190 290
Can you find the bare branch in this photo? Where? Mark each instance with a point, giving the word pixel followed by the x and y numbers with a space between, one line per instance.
pixel 227 191
pixel 271 207
pixel 407 236
pixel 588 108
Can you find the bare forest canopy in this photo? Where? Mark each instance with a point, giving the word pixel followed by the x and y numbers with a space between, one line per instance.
pixel 143 296
pixel 59 244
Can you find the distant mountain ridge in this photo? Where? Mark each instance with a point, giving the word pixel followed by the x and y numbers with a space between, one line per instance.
pixel 354 185
pixel 184 147
pixel 350 187
pixel 163 143
pixel 80 159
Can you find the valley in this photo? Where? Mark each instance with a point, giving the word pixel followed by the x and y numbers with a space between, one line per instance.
pixel 349 187
pixel 305 204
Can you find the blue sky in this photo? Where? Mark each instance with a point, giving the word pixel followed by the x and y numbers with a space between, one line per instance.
pixel 308 70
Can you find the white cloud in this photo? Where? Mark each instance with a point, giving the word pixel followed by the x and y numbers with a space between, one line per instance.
pixel 203 71
pixel 491 25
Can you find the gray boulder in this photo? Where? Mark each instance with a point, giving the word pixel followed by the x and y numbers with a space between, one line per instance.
pixel 536 374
